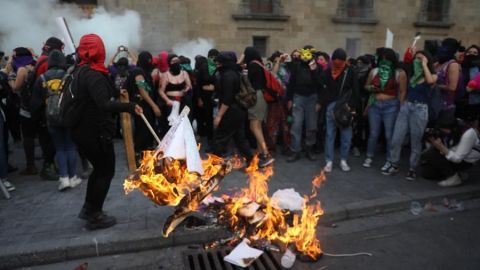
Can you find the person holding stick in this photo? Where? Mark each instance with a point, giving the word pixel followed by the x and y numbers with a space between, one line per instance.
pixel 95 129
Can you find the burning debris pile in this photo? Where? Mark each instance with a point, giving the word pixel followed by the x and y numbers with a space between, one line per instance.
pixel 249 214
pixel 252 214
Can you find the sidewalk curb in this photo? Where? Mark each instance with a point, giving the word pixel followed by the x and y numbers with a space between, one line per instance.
pixel 78 248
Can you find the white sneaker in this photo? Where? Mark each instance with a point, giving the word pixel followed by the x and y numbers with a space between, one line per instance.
pixel 344 166
pixel 386 166
pixel 328 167
pixel 367 163
pixel 451 181
pixel 9 186
pixel 75 181
pixel 64 183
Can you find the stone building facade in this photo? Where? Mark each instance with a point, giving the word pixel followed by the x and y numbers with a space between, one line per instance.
pixel 357 25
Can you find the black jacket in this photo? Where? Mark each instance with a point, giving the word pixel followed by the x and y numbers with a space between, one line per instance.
pixel 229 86
pixel 330 88
pixel 95 93
pixel 303 80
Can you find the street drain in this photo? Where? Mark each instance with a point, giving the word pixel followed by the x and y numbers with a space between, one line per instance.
pixel 213 260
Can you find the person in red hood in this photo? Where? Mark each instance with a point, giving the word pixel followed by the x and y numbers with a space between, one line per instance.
pixel 51 44
pixel 94 131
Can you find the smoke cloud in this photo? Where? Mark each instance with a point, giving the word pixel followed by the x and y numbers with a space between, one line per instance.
pixel 193 48
pixel 26 23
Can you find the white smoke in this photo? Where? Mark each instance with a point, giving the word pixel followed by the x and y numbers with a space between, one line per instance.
pixel 192 48
pixel 29 23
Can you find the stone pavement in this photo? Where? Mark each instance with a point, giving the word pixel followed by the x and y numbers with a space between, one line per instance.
pixel 39 224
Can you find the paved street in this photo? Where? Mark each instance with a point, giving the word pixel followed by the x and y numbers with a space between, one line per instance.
pixel 433 240
pixel 39 224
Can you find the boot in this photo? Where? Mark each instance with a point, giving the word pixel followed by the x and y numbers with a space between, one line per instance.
pixel 310 154
pixel 294 157
pixel 30 170
pixel 49 172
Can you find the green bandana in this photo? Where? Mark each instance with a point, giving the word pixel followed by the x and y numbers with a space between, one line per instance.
pixel 186 67
pixel 385 70
pixel 417 73
pixel 212 67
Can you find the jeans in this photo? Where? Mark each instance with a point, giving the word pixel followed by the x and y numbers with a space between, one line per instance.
pixel 381 112
pixel 65 149
pixel 3 149
pixel 345 136
pixel 303 109
pixel 413 118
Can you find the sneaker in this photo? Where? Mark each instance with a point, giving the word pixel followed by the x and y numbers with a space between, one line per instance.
pixel 328 167
pixel 265 160
pixel 391 169
pixel 356 152
pixel 9 186
pixel 64 183
pixel 411 175
pixel 451 181
pixel 344 166
pixel 386 166
pixel 30 171
pixel 100 221
pixel 367 163
pixel 75 181
pixel 293 157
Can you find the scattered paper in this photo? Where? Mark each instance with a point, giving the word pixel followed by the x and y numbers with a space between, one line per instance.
pixel 287 199
pixel 212 199
pixel 243 255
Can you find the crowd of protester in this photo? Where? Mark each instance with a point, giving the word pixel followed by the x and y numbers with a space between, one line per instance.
pixel 428 100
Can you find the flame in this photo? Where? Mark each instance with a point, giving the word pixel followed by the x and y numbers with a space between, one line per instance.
pixel 249 213
pixel 166 181
pixel 271 223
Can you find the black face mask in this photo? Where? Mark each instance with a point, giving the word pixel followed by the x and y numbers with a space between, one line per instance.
pixel 175 69
pixel 470 60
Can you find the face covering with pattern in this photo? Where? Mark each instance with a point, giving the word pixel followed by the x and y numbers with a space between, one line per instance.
pixel 385 70
pixel 417 72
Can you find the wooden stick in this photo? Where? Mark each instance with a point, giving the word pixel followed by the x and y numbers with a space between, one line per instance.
pixel 126 121
pixel 151 129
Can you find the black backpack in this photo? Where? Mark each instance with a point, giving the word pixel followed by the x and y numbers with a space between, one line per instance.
pixel 69 105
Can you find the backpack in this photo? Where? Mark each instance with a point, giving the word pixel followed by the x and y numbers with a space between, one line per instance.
pixel 54 88
pixel 247 96
pixel 274 88
pixel 69 105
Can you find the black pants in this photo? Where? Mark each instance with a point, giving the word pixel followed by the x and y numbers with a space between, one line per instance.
pixel 30 129
pixel 143 138
pixel 231 126
pixel 205 123
pixel 101 155
pixel 437 167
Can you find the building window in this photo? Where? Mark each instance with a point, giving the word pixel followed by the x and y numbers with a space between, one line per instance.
pixel 357 8
pixel 353 47
pixel 260 43
pixel 434 13
pixel 355 11
pixel 271 10
pixel 261 6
